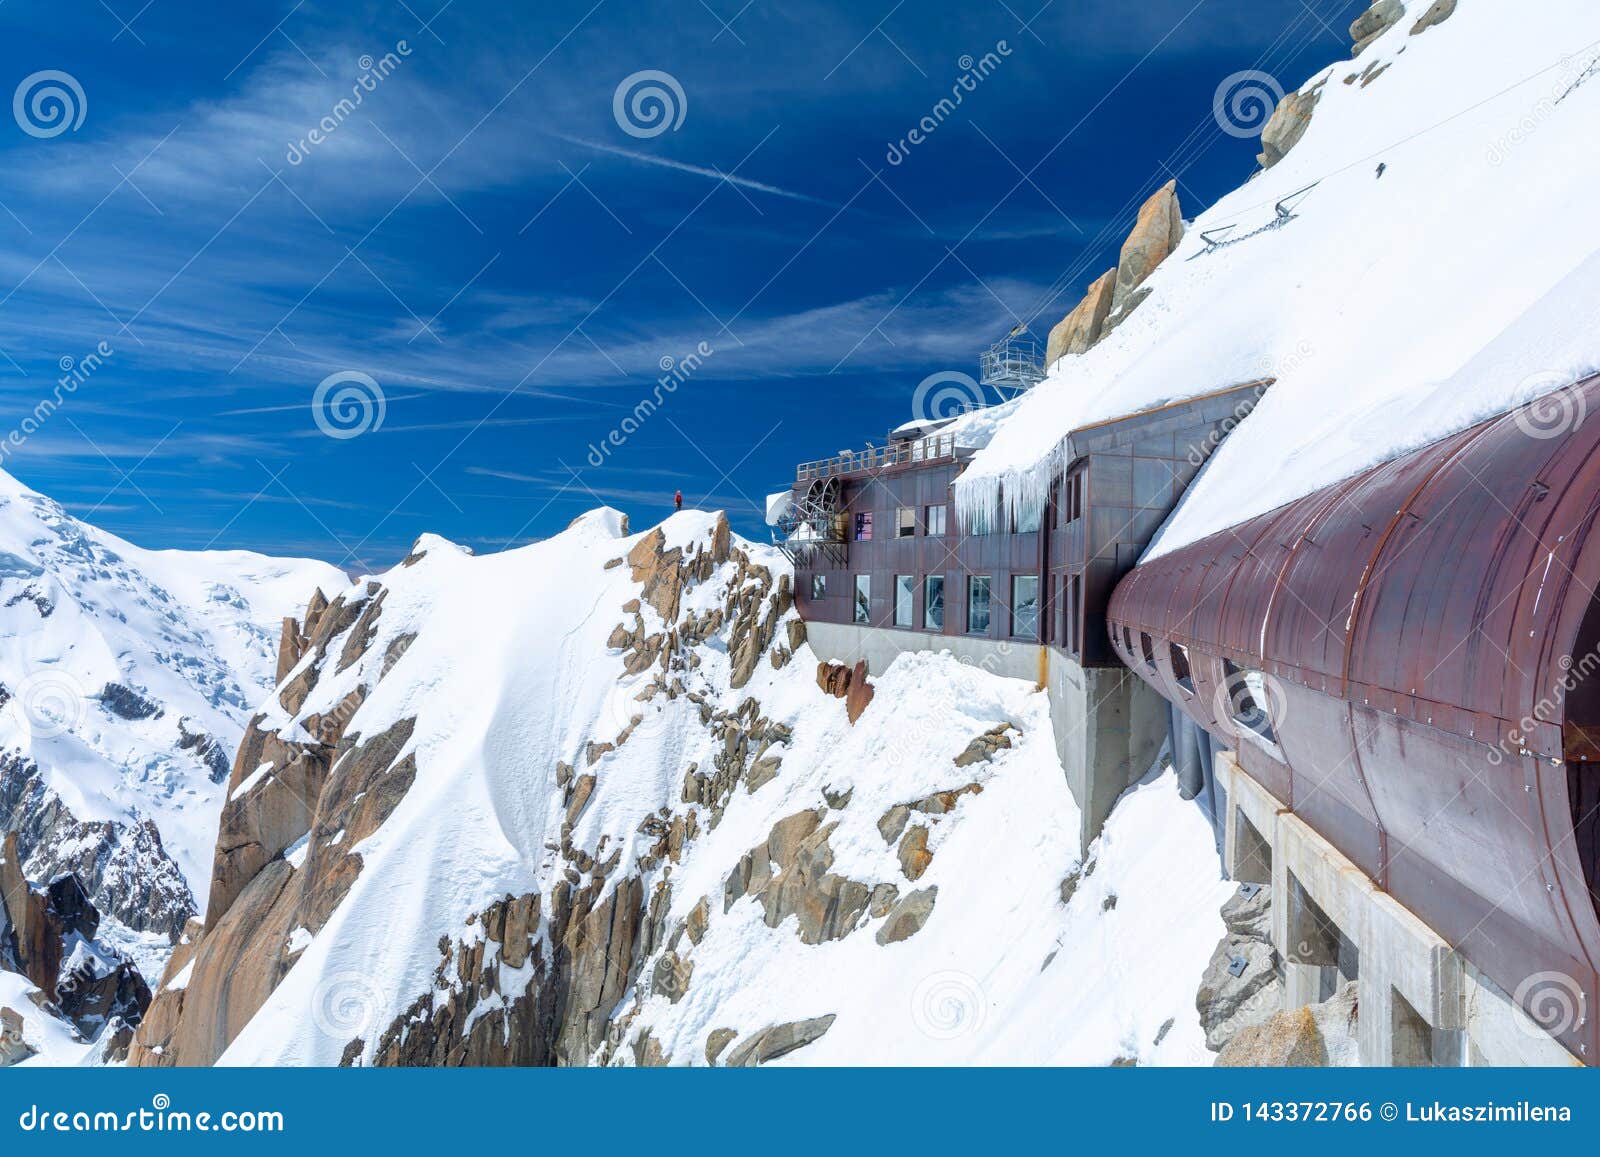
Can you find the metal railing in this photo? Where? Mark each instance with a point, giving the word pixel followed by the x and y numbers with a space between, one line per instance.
pixel 929 449
pixel 1015 362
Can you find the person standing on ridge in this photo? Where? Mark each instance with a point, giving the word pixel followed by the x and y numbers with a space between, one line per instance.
pixel 677 500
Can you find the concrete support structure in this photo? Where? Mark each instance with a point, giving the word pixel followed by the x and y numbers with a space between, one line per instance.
pixel 1108 724
pixel 1421 1003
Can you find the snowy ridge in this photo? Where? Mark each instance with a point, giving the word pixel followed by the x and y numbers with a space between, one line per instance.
pixel 551 762
pixel 1399 306
pixel 127 679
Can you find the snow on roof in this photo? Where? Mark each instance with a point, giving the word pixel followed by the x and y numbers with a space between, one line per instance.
pixel 1398 307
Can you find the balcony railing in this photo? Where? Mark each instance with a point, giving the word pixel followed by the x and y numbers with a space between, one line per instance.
pixel 929 449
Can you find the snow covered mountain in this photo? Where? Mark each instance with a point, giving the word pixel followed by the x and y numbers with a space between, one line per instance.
pixel 595 801
pixel 126 680
pixel 1440 265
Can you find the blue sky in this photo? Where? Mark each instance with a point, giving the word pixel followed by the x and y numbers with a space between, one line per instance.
pixel 485 242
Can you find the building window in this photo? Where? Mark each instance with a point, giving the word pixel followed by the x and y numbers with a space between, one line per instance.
pixel 978 604
pixel 1147 648
pixel 1072 497
pixel 1249 702
pixel 1180 667
pixel 864 526
pixel 1074 612
pixel 905 521
pixel 819 586
pixel 905 589
pixel 933 602
pixel 1025 606
pixel 863 598
pixel 1026 521
pixel 933 521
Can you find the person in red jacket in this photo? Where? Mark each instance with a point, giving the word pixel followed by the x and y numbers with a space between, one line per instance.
pixel 677 500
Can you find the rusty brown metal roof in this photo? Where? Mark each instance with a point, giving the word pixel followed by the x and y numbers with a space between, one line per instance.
pixel 1422 623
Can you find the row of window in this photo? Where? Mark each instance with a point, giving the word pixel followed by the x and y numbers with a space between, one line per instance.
pixel 1245 689
pixel 980 602
pixel 905 522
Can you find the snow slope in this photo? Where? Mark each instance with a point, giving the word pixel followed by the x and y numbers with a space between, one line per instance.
pixel 513 670
pixel 1398 307
pixel 192 635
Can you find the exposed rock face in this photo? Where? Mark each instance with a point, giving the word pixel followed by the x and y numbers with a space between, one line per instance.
pixel 779 1040
pixel 1315 1036
pixel 1079 330
pixel 52 943
pixel 1155 235
pixel 1287 125
pixel 1374 22
pixel 1438 13
pixel 13 1048
pixel 789 875
pixel 908 916
pixel 125 868
pixel 1230 1003
pixel 536 978
pixel 847 683
pixel 1117 293
pixel 126 703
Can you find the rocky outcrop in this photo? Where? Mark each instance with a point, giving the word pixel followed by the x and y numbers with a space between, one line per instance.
pixel 124 867
pixel 1374 22
pixel 779 1040
pixel 1314 1036
pixel 1287 125
pixel 908 916
pixel 1155 235
pixel 847 683
pixel 126 703
pixel 789 875
pixel 1117 293
pixel 1079 330
pixel 13 1048
pixel 52 943
pixel 1243 983
pixel 1437 13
